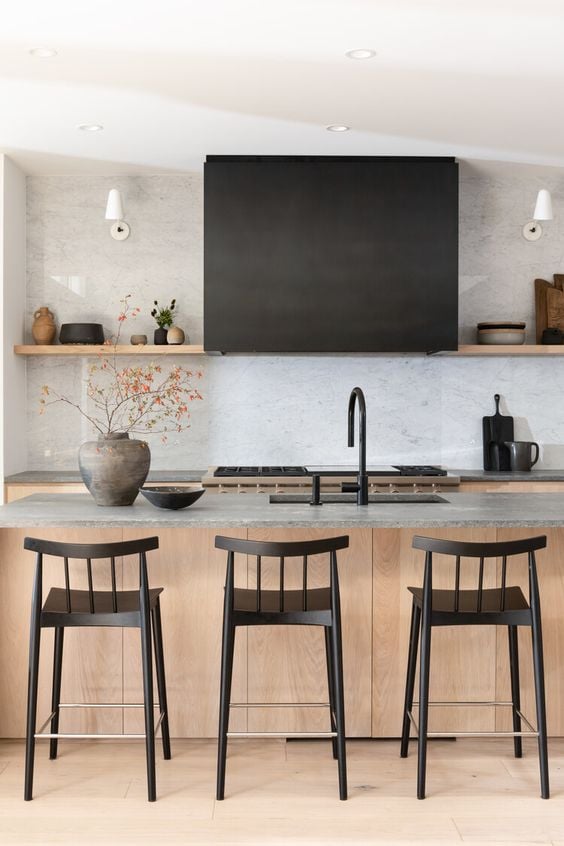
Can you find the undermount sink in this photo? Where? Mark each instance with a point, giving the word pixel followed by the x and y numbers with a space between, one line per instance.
pixel 380 498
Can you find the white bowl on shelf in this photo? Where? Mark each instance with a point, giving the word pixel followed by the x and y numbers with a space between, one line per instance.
pixel 501 336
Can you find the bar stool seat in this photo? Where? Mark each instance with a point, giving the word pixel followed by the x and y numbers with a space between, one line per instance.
pixel 492 601
pixel 81 613
pixel 317 599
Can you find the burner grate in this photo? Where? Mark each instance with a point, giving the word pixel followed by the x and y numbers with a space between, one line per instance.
pixel 256 470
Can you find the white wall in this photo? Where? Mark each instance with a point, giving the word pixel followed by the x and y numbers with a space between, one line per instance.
pixel 292 409
pixel 13 264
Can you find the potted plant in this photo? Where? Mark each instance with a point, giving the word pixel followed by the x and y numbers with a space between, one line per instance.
pixel 164 318
pixel 121 402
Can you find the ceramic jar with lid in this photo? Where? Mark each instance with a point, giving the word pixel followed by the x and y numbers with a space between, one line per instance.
pixel 175 335
pixel 44 329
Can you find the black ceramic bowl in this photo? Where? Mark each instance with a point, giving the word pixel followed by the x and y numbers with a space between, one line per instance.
pixel 171 497
pixel 81 333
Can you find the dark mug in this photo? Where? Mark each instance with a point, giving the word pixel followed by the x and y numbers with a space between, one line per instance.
pixel 520 454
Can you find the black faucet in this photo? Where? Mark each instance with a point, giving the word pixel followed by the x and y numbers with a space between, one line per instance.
pixel 361 487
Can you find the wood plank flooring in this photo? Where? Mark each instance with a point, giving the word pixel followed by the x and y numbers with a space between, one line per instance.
pixel 282 793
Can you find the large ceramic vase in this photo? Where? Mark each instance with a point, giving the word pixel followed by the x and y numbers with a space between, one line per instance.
pixel 114 467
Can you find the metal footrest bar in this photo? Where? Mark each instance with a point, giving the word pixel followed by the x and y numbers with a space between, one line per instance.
pixel 531 733
pixel 288 734
pixel 464 704
pixel 104 705
pixel 280 705
pixel 41 734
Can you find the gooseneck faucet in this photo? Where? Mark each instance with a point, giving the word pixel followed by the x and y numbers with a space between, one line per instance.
pixel 361 487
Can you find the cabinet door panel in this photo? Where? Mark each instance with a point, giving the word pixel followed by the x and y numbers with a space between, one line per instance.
pixel 463 660
pixel 192 573
pixel 287 664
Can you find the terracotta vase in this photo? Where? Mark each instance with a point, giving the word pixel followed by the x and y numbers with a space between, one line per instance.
pixel 114 467
pixel 44 329
pixel 175 335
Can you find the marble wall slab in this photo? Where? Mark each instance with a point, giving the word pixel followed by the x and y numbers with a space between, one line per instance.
pixel 292 409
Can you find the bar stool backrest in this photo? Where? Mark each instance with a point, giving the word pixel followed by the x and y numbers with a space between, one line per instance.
pixel 281 551
pixel 88 553
pixel 482 551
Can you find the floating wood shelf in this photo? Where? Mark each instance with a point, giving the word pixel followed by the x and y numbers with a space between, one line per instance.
pixel 506 349
pixel 92 350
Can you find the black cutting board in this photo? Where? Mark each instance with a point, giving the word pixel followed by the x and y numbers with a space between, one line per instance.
pixel 495 431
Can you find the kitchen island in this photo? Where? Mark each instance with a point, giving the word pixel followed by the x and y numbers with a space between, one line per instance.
pixel 282 665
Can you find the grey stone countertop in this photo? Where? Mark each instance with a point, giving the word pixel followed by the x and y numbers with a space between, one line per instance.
pixel 56 477
pixel 509 475
pixel 53 477
pixel 254 510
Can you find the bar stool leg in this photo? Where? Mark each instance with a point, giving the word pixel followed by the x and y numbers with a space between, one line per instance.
pixel 515 686
pixel 424 668
pixel 337 651
pixel 228 647
pixel 161 679
pixel 56 694
pixel 330 687
pixel 148 699
pixel 33 680
pixel 410 679
pixel 538 665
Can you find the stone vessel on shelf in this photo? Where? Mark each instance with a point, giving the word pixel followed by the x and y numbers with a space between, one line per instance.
pixel 44 329
pixel 114 467
pixel 175 335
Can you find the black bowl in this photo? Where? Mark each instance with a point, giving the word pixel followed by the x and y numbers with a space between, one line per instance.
pixel 168 496
pixel 81 333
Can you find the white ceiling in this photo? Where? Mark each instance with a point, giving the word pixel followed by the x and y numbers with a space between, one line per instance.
pixel 173 80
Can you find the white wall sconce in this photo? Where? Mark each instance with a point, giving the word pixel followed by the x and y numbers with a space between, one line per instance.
pixel 114 211
pixel 532 230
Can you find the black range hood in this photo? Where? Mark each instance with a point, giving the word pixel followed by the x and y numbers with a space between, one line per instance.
pixel 330 254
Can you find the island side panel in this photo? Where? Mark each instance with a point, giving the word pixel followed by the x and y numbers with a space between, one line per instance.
pixel 288 664
pixel 551 585
pixel 463 660
pixel 192 573
pixel 92 659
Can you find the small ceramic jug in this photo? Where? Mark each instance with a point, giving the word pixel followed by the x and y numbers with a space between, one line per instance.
pixel 43 329
pixel 175 335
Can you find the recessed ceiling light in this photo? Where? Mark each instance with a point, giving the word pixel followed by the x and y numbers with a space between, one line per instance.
pixel 337 127
pixel 361 53
pixel 90 127
pixel 43 52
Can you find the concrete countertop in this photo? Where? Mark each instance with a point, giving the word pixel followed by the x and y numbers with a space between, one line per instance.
pixel 56 477
pixel 254 510
pixel 509 475
pixel 53 477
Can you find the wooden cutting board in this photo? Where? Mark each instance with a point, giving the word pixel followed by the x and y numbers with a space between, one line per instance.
pixel 541 289
pixel 555 308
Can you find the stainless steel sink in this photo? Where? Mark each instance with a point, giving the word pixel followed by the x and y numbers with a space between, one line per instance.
pixel 380 498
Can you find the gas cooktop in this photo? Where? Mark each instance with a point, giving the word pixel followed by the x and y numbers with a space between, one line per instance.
pixel 296 470
pixel 268 470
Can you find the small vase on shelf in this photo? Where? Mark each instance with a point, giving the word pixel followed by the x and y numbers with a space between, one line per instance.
pixel 43 329
pixel 175 335
pixel 160 336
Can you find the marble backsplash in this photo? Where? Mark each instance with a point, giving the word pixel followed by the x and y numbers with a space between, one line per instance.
pixel 292 409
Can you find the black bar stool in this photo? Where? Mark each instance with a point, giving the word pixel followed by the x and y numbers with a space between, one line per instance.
pixel 303 607
pixel 70 607
pixel 500 606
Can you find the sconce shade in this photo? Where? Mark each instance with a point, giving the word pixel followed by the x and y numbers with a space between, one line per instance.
pixel 543 207
pixel 114 207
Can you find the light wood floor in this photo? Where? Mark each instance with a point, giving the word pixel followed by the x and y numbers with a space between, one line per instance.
pixel 280 793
